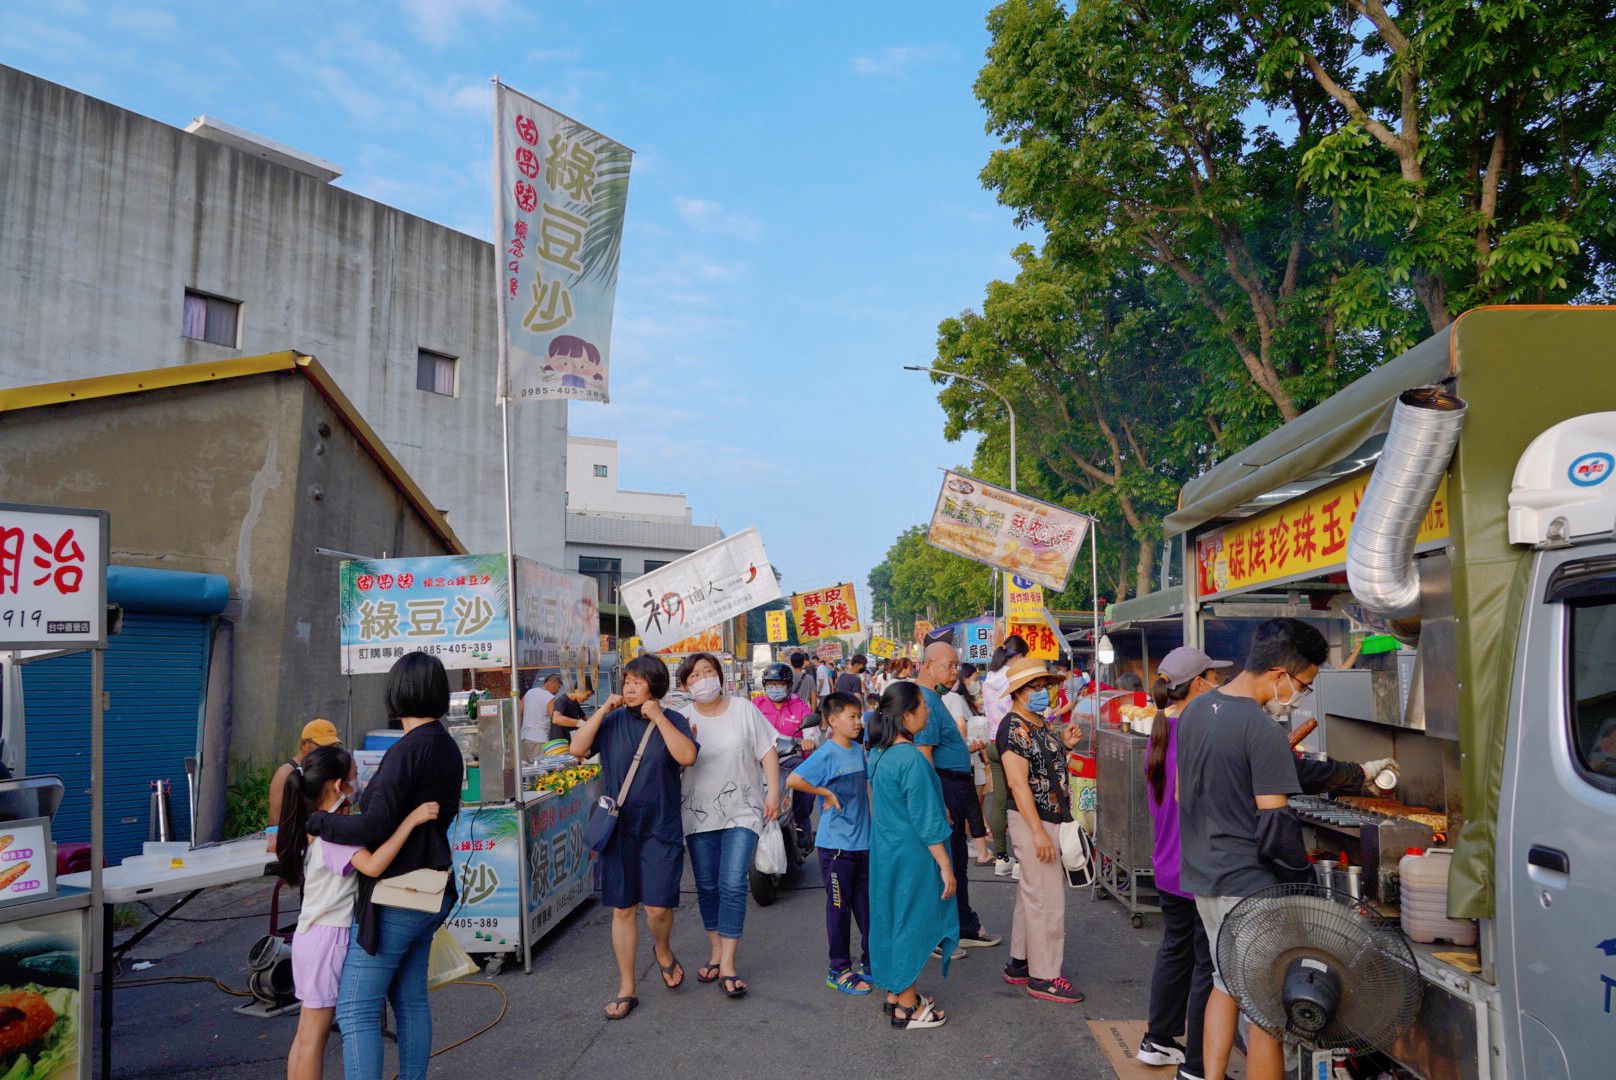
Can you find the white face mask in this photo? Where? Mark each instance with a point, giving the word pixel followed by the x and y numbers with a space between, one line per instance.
pixel 706 690
pixel 776 692
pixel 1281 710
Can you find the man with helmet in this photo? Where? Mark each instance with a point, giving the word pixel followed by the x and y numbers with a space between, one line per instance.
pixel 789 714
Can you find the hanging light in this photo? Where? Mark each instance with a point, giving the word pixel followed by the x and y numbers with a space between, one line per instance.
pixel 1105 652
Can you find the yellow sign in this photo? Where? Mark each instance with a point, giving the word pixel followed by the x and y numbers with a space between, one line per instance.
pixel 885 648
pixel 825 612
pixel 1042 637
pixel 632 647
pixel 776 622
pixel 1026 600
pixel 1307 537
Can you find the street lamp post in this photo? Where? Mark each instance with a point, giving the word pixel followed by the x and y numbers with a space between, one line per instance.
pixel 1012 411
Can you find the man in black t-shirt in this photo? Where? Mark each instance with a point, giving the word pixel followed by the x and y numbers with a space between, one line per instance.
pixel 851 681
pixel 1237 834
pixel 568 711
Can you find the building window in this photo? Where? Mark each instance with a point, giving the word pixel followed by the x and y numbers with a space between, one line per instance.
pixel 600 470
pixel 435 373
pixel 655 564
pixel 608 574
pixel 211 318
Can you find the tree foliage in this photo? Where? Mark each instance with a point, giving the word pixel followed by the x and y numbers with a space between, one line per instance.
pixel 1245 206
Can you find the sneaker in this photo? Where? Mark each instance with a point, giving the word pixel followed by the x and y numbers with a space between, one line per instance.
pixel 1153 1052
pixel 1015 869
pixel 1001 867
pixel 980 940
pixel 937 954
pixel 1056 989
pixel 1185 1074
pixel 1016 973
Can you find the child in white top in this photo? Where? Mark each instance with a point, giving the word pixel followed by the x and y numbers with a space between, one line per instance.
pixel 325 871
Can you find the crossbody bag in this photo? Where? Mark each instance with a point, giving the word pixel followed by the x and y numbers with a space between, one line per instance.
pixel 603 815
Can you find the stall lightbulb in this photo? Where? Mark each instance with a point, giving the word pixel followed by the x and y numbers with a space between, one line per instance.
pixel 1105 652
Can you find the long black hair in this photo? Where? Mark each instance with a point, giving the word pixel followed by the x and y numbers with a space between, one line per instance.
pixel 300 798
pixel 1156 757
pixel 1014 647
pixel 897 700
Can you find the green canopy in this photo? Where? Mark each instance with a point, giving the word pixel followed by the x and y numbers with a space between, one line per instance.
pixel 1523 370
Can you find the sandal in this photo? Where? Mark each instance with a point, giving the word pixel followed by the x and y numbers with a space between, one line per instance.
pixel 924 1014
pixel 630 1002
pixel 733 986
pixel 848 982
pixel 702 975
pixel 888 1005
pixel 669 969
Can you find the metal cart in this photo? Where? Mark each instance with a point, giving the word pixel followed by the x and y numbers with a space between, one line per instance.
pixel 1122 840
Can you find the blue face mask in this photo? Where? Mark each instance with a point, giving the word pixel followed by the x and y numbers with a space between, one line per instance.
pixel 1038 700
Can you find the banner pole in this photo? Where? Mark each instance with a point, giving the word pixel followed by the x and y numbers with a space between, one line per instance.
pixel 510 544
pixel 1094 581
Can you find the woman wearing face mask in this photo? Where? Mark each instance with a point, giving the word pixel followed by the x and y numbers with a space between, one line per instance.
pixel 1033 755
pixel 725 807
pixel 1182 981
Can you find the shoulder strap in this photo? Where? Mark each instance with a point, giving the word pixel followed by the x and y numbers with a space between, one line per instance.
pixel 634 766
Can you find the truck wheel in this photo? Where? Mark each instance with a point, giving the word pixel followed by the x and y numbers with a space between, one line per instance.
pixel 765 887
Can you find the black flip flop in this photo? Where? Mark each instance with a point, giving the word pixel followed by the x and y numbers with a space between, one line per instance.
pixel 733 987
pixel 703 977
pixel 669 969
pixel 630 1001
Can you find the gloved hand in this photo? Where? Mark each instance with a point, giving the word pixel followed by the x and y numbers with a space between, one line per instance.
pixel 1372 769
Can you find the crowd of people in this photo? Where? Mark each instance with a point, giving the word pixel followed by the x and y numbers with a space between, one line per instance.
pixel 917 770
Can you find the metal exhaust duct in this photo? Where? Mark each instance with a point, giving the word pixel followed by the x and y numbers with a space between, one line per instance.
pixel 1380 550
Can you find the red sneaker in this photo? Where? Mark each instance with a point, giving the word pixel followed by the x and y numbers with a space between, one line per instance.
pixel 1056 989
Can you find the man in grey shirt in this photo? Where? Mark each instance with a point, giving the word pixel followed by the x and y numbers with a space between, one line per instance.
pixel 1237 835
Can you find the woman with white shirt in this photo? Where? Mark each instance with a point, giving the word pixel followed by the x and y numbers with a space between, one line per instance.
pixel 725 807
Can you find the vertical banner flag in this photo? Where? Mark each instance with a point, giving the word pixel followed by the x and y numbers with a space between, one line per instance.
pixel 996 527
pixel 560 191
pixel 776 621
pixel 825 612
pixel 702 589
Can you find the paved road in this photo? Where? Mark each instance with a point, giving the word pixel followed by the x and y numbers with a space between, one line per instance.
pixel 790 1023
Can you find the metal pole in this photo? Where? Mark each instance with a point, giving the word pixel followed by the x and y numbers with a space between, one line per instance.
pixel 510 541
pixel 1094 581
pixel 617 637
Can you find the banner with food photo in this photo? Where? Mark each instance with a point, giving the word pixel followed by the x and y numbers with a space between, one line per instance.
pixel 42 981
pixel 1027 537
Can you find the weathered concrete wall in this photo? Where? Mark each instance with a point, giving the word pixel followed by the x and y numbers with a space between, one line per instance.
pixel 222 478
pixel 106 217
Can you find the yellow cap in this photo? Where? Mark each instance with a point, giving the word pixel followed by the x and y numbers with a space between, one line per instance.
pixel 321 733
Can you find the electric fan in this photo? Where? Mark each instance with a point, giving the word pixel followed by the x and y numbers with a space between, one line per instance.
pixel 1318 967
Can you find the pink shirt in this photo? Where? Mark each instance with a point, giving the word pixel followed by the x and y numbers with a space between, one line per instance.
pixel 787 717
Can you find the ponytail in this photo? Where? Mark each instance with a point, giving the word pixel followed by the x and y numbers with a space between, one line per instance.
pixel 300 797
pixel 1156 756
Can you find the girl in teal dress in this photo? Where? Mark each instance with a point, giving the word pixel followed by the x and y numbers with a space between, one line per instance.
pixel 910 915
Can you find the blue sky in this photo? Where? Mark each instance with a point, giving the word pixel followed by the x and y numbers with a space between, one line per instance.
pixel 804 207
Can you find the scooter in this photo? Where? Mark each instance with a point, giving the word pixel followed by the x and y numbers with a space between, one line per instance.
pixel 766 887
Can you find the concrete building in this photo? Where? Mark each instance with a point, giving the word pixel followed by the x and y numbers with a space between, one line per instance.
pixel 128 244
pixel 240 470
pixel 615 535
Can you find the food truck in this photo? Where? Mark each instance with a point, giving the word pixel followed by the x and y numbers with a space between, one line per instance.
pixel 1461 499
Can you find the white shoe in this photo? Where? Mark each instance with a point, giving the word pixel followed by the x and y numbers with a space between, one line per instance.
pixel 1152 1052
pixel 1001 867
pixel 1015 869
pixel 937 954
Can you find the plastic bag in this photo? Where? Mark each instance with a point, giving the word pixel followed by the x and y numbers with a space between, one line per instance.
pixel 448 961
pixel 771 850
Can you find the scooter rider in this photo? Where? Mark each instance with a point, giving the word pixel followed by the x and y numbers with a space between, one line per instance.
pixel 789 714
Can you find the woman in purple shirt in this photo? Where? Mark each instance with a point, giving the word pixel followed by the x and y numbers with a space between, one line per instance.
pixel 1183 978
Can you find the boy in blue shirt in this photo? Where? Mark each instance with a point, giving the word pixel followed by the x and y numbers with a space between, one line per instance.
pixel 836 774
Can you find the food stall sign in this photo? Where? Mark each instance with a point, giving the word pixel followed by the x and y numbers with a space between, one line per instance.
pixel 53 577
pixel 1027 537
pixel 776 625
pixel 557 618
pixel 823 613
pixel 885 648
pixel 1025 600
pixel 456 607
pixel 829 650
pixel 702 589
pixel 1305 538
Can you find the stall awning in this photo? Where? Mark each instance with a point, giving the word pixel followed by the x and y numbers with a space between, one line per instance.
pixel 1167 604
pixel 1339 436
pixel 166 592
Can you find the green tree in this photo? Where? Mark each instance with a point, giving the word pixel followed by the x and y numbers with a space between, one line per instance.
pixel 918 581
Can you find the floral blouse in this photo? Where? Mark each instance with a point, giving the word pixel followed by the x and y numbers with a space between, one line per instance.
pixel 1045 756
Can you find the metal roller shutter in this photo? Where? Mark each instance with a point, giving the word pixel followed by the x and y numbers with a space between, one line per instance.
pixel 155 674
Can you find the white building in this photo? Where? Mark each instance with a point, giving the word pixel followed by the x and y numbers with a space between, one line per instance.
pixel 128 244
pixel 615 535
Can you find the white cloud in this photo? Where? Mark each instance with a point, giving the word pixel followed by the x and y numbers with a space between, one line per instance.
pixel 707 216
pixel 147 22
pixel 895 61
pixel 436 21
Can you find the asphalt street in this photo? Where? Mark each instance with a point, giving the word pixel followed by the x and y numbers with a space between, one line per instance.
pixel 791 1023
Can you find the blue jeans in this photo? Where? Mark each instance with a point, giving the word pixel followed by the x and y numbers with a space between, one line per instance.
pixel 397 973
pixel 719 861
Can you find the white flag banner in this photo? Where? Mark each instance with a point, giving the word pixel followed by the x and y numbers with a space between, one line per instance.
pixel 702 589
pixel 560 190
